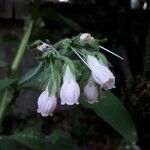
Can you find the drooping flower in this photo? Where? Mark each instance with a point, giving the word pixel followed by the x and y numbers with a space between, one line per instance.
pixel 70 91
pixel 91 91
pixel 47 103
pixel 85 36
pixel 100 73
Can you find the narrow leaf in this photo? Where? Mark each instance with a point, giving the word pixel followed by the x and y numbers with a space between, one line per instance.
pixel 8 144
pixel 31 74
pixel 60 140
pixel 111 110
pixel 31 137
pixel 6 82
pixel 35 140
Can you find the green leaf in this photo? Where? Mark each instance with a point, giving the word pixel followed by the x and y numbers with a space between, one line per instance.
pixel 7 144
pixel 60 140
pixel 34 139
pixel 30 137
pixel 38 81
pixel 113 111
pixel 3 64
pixel 13 69
pixel 6 82
pixel 31 74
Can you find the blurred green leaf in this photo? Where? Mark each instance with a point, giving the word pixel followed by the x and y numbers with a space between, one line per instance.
pixel 34 139
pixel 31 74
pixel 3 64
pixel 6 82
pixel 54 15
pixel 30 137
pixel 60 140
pixel 113 111
pixel 8 144
pixel 38 81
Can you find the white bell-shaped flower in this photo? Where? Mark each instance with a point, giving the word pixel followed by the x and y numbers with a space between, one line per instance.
pixel 85 36
pixel 91 91
pixel 100 73
pixel 47 103
pixel 70 91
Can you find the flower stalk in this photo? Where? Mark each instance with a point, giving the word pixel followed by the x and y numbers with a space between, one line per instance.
pixel 14 67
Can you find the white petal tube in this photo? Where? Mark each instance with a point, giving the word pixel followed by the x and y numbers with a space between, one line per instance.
pixel 46 103
pixel 91 91
pixel 70 91
pixel 101 74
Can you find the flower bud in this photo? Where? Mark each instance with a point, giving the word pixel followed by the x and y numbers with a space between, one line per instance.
pixel 47 103
pixel 100 73
pixel 91 91
pixel 85 36
pixel 42 47
pixel 70 91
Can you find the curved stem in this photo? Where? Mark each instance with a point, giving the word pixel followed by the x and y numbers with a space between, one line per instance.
pixel 4 100
pixel 3 103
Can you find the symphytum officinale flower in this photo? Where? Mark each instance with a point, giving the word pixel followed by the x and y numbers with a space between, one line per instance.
pixel 100 73
pixel 47 103
pixel 70 91
pixel 91 91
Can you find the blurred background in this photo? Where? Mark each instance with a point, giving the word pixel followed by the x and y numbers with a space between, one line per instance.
pixel 125 24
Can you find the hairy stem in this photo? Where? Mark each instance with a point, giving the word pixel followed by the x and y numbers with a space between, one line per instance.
pixel 19 55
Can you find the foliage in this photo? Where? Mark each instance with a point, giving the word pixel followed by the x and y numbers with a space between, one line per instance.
pixel 33 138
pixel 115 114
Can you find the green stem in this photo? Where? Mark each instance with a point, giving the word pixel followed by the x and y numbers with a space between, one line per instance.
pixel 4 101
pixel 52 70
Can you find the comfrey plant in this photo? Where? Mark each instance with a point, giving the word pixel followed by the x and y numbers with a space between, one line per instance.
pixel 72 67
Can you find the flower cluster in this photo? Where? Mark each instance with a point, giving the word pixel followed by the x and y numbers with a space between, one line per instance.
pixel 100 77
